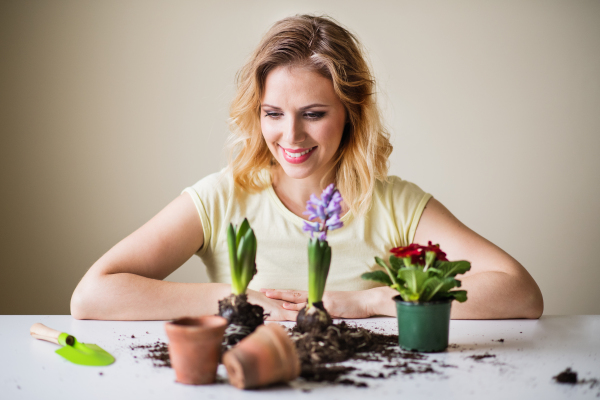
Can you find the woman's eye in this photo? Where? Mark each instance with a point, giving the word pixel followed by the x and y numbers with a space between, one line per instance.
pixel 272 114
pixel 314 115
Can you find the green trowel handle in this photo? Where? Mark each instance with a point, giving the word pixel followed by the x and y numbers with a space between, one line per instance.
pixel 42 332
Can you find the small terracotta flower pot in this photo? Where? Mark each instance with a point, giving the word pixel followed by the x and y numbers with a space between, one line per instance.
pixel 266 356
pixel 195 348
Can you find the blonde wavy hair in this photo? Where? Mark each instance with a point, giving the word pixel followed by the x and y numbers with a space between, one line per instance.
pixel 321 44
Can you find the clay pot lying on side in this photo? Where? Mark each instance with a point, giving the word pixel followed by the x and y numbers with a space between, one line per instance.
pixel 195 348
pixel 266 356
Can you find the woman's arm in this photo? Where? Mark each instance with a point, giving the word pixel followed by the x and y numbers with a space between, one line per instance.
pixel 498 286
pixel 127 283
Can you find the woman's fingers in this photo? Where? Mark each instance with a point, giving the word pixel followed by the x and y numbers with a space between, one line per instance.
pixel 291 296
pixel 294 306
pixel 275 308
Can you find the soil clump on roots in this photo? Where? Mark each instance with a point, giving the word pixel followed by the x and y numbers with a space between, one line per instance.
pixel 242 317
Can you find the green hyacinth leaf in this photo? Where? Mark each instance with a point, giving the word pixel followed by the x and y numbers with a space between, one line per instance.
pixel 243 229
pixel 248 267
pixel 231 244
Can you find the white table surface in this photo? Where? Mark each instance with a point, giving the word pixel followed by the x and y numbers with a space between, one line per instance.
pixel 532 353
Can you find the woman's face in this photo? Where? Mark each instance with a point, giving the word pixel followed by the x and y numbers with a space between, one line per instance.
pixel 302 121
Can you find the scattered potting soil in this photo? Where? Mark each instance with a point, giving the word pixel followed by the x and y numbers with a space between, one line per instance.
pixel 158 352
pixel 499 340
pixel 479 357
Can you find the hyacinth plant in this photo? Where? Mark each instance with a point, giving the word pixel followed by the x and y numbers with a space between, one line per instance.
pixel 421 273
pixel 243 317
pixel 324 216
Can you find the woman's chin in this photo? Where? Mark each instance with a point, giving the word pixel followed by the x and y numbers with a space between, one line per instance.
pixel 296 171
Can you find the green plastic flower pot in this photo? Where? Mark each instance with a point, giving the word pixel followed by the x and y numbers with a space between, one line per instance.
pixel 423 326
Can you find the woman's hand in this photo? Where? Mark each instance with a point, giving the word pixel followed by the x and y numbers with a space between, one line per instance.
pixel 354 304
pixel 272 306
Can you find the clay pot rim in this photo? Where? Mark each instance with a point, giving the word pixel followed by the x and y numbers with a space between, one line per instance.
pixel 201 322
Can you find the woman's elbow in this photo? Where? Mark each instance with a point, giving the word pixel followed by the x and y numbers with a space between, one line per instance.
pixel 536 304
pixel 83 301
pixel 78 304
pixel 532 300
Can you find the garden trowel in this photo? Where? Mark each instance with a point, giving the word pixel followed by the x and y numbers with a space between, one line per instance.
pixel 72 350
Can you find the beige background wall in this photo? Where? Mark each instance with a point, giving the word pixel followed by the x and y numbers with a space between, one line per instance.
pixel 109 109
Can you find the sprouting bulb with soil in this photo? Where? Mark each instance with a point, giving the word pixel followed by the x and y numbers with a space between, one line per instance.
pixel 243 317
pixel 323 215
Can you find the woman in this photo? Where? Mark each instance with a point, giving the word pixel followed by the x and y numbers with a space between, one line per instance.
pixel 304 116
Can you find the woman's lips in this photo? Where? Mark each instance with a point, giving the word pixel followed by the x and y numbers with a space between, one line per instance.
pixel 297 156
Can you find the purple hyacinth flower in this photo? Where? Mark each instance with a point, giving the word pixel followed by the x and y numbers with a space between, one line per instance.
pixel 327 210
pixel 311 227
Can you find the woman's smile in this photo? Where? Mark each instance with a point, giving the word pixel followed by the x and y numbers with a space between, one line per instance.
pixel 297 156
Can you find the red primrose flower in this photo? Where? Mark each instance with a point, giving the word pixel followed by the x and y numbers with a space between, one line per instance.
pixel 417 252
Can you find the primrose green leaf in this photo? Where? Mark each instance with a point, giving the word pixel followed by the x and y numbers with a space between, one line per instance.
pixel 434 271
pixel 439 286
pixel 389 271
pixel 396 263
pixel 378 276
pixel 407 294
pixel 459 295
pixel 452 268
pixel 414 278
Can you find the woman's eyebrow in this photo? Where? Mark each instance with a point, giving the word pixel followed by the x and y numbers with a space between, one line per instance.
pixel 303 108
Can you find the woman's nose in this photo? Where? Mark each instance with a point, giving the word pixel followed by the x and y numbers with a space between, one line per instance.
pixel 294 131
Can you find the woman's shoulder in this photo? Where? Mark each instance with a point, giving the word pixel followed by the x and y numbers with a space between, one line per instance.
pixel 218 180
pixel 395 186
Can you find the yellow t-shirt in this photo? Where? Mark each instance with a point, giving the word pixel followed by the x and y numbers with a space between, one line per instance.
pixel 281 256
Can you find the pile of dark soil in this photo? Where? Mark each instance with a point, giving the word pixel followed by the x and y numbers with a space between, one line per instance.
pixel 567 376
pixel 321 353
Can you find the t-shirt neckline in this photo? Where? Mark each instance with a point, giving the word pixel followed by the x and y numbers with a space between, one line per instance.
pixel 290 215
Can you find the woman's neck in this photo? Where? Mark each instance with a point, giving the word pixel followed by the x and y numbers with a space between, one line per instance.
pixel 294 193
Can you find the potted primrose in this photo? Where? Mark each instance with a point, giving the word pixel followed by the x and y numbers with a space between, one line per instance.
pixel 323 215
pixel 424 278
pixel 242 317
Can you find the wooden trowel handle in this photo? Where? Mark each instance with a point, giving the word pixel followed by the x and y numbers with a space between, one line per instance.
pixel 42 332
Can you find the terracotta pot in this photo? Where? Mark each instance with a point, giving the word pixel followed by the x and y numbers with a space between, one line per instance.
pixel 195 348
pixel 266 356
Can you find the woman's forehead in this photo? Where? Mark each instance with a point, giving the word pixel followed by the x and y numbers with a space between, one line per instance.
pixel 287 86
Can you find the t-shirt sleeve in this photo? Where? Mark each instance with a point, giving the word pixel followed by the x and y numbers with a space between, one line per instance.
pixel 210 196
pixel 409 201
